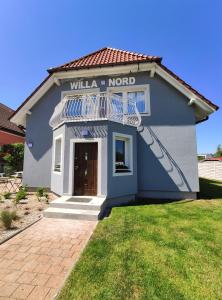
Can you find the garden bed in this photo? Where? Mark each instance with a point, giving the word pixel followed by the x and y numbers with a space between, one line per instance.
pixel 27 213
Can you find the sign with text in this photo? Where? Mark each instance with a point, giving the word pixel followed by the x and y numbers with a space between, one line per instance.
pixel 111 82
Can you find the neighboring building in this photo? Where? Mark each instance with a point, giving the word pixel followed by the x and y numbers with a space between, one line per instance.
pixel 115 124
pixel 211 168
pixel 9 132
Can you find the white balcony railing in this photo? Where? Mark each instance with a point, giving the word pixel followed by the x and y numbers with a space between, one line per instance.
pixel 94 107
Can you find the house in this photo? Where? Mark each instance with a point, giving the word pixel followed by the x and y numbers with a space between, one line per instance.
pixel 113 124
pixel 9 132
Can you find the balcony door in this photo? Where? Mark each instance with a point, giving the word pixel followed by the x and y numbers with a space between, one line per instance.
pixel 85 169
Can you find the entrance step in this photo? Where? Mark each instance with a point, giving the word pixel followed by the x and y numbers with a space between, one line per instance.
pixel 67 213
pixel 82 203
pixel 76 207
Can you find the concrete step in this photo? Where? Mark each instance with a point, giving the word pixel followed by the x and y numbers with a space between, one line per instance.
pixel 67 213
pixel 75 205
pixel 82 203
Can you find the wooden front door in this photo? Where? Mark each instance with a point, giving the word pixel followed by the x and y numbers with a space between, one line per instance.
pixel 85 169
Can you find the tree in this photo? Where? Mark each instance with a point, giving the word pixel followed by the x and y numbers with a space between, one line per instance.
pixel 219 151
pixel 13 155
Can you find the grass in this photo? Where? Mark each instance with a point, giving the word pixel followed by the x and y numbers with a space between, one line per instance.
pixel 154 251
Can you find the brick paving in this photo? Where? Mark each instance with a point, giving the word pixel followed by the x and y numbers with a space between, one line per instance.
pixel 35 263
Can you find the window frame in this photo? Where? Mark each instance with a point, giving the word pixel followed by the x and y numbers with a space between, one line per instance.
pixel 135 88
pixel 59 137
pixel 128 152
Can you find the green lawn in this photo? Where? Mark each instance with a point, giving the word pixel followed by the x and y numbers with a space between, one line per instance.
pixel 162 251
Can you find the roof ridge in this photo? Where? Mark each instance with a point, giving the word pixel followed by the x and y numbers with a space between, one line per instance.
pixel 130 52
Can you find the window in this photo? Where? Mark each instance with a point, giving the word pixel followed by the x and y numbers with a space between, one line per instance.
pixel 78 105
pixel 130 95
pixel 79 102
pixel 122 154
pixel 117 102
pixel 139 99
pixel 58 155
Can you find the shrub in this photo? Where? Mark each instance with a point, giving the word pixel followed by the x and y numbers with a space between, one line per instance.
pixel 13 154
pixel 7 217
pixel 1 200
pixel 21 194
pixel 7 195
pixel 9 170
pixel 41 192
pixel 24 188
pixel 14 215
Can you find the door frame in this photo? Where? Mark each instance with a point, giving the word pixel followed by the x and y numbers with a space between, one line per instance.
pixel 71 164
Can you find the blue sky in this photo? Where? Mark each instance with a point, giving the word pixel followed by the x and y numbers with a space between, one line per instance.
pixel 38 34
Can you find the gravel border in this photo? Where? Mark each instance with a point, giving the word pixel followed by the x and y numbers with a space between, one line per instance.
pixel 19 230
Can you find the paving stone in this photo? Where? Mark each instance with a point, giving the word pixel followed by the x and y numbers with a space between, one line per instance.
pixel 39 293
pixel 29 266
pixel 54 281
pixel 40 279
pixel 12 276
pixel 55 270
pixel 41 268
pixel 7 289
pixel 51 294
pixel 26 277
pixel 23 291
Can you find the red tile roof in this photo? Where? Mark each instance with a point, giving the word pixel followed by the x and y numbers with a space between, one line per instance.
pixel 105 57
pixel 6 125
pixel 213 159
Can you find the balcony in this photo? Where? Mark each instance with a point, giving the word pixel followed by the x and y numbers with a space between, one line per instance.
pixel 96 107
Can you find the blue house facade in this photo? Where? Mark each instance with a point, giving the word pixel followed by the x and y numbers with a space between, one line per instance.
pixel 113 124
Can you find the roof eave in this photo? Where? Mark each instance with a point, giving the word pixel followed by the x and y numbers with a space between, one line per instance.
pixel 12 131
pixel 27 99
pixel 195 94
pixel 201 121
pixel 187 86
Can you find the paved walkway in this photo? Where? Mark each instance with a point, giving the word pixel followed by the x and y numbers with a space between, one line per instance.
pixel 35 263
